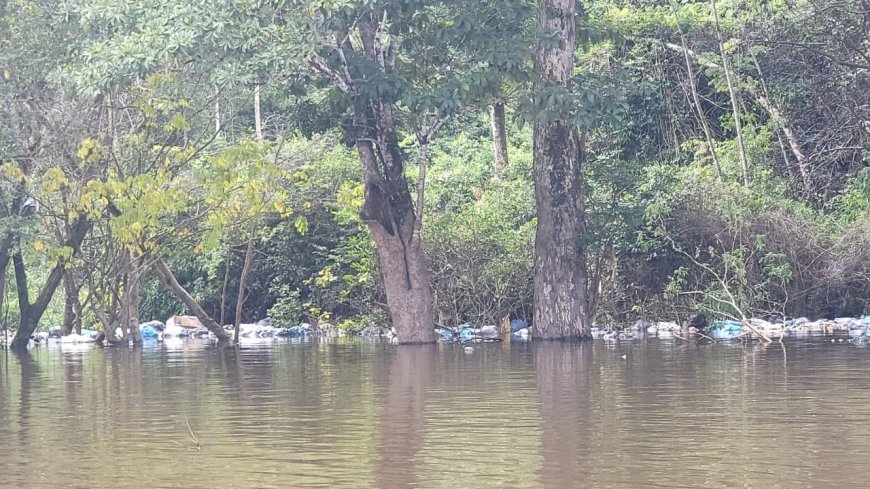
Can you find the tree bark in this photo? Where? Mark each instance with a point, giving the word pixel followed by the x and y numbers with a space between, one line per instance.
pixel 130 308
pixel 166 276
pixel 70 303
pixel 499 136
pixel 388 209
pixel 243 278
pixel 561 308
pixel 732 93
pixel 258 124
pixel 702 117
pixel 32 313
pixel 390 217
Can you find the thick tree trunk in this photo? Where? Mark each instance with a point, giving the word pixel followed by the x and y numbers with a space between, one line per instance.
pixel 499 136
pixel 388 209
pixel 561 309
pixel 166 276
pixel 395 226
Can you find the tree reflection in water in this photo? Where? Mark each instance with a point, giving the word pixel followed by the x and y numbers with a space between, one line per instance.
pixel 564 378
pixel 402 418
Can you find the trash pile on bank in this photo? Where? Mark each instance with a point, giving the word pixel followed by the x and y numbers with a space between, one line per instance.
pixel 466 333
pixel 697 326
pixel 176 327
pixel 729 329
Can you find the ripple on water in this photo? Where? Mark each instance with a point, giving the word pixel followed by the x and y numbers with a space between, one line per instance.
pixel 274 414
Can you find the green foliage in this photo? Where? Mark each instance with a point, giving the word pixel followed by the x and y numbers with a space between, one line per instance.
pixel 287 309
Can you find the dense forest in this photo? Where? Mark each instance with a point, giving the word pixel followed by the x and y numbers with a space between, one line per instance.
pixel 418 163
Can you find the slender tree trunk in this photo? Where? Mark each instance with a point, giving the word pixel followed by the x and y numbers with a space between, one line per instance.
pixel 71 298
pixel 5 248
pixel 32 313
pixel 499 136
pixel 783 126
pixel 561 308
pixel 130 308
pixel 732 93
pixel 217 110
pixel 258 125
pixel 696 99
pixel 243 278
pixel 224 287
pixel 763 101
pixel 166 276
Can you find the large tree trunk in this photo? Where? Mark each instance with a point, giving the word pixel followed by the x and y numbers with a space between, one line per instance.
pixel 388 209
pixel 32 313
pixel 168 278
pixel 395 226
pixel 561 309
pixel 499 136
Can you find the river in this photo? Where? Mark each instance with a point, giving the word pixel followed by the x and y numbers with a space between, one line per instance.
pixel 641 414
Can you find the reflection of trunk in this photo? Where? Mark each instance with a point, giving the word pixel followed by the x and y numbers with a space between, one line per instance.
pixel 165 274
pixel 499 136
pixel 402 419
pixel 32 313
pixel 30 375
pixel 243 278
pixel 3 266
pixel 562 371
pixel 560 261
pixel 389 213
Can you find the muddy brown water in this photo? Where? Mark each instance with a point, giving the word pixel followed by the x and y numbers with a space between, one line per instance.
pixel 358 415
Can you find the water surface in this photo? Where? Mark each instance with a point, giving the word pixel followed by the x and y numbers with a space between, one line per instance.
pixel 357 415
